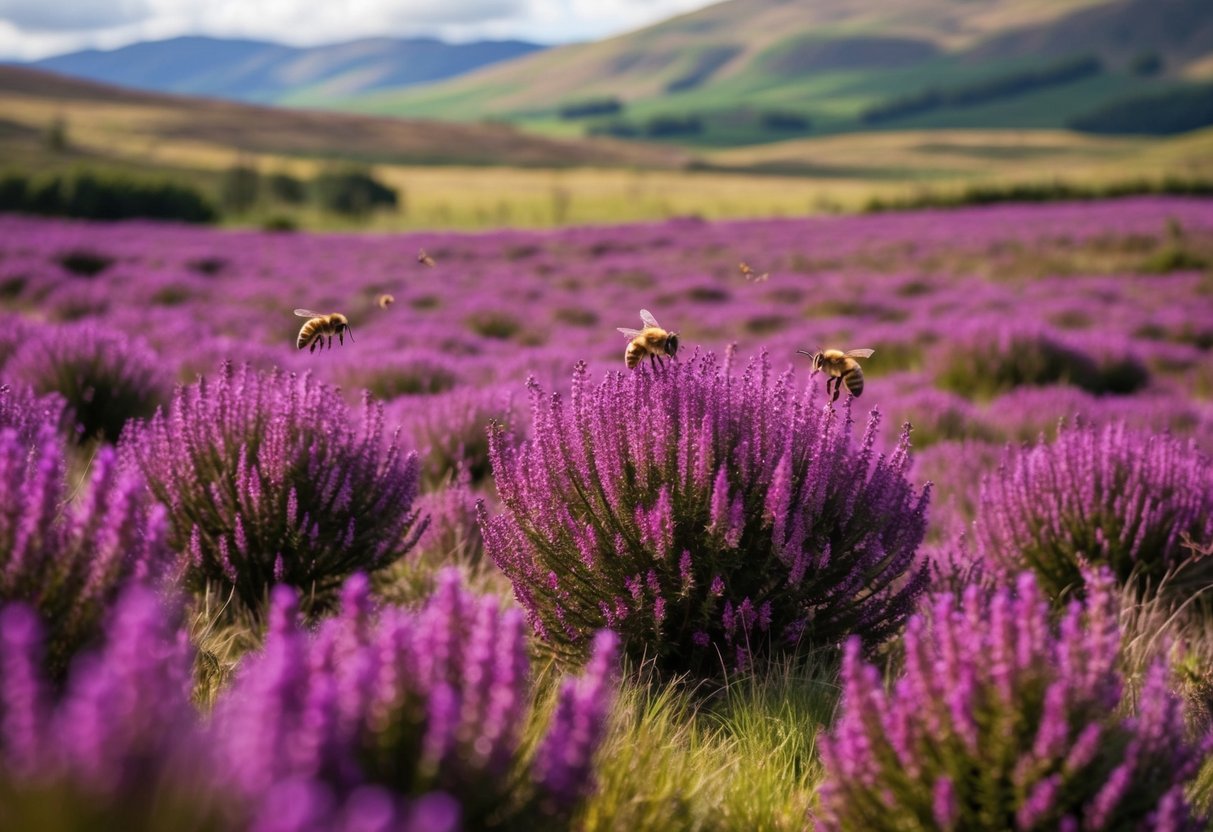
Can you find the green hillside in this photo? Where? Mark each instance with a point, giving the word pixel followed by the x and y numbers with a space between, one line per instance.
pixel 748 71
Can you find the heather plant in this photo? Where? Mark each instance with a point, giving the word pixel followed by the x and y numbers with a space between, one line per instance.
pixel 993 360
pixel 270 479
pixel 68 556
pixel 120 747
pixel 1109 496
pixel 1003 719
pixel 106 378
pixel 25 412
pixel 706 518
pixel 415 702
pixel 452 431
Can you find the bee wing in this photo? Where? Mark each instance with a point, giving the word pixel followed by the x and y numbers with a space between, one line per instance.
pixel 649 320
pixel 631 333
pixel 860 353
pixel 307 313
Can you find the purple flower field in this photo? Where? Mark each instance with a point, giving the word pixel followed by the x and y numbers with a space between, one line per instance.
pixel 466 571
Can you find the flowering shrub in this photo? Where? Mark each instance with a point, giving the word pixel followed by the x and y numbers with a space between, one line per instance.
pixel 120 749
pixel 414 702
pixel 26 413
pixel 105 378
pixel 267 481
pixel 1002 720
pixel 699 515
pixel 1105 495
pixel 994 359
pixel 452 431
pixel 69 560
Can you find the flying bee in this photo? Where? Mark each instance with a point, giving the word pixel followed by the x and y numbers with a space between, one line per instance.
pixel 319 326
pixel 750 274
pixel 424 259
pixel 841 367
pixel 384 301
pixel 652 341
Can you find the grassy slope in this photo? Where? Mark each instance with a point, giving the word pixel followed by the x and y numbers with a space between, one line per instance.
pixel 766 72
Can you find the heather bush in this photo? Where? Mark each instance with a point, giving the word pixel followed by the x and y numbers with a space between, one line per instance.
pixel 452 432
pixel 105 378
pixel 120 747
pixel 1004 720
pixel 993 360
pixel 414 702
pixel 1106 495
pixel 26 413
pixel 270 479
pixel 69 558
pixel 705 517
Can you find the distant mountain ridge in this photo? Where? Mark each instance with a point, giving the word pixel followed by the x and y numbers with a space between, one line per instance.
pixel 266 72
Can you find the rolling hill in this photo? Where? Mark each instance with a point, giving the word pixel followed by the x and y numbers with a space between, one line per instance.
pixel 757 70
pixel 176 131
pixel 257 71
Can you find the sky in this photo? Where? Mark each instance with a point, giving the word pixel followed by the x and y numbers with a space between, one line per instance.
pixel 31 29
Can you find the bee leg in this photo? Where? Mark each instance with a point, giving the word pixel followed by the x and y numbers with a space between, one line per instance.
pixel 660 363
pixel 330 342
pixel 341 338
pixel 837 389
pixel 314 343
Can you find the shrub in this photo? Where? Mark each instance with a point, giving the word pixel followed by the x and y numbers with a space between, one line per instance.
pixel 97 196
pixel 26 413
pixel 270 479
pixel 353 192
pixel 704 517
pixel 105 378
pixel 240 188
pixel 70 560
pixel 1152 114
pixel 1002 720
pixel 990 361
pixel 413 702
pixel 452 432
pixel 1109 496
pixel 120 748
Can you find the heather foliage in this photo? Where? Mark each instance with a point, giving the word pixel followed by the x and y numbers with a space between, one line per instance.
pixel 69 559
pixel 120 747
pixel 415 702
pixel 452 433
pixel 704 517
pixel 1106 495
pixel 990 361
pixel 270 479
pixel 105 378
pixel 1004 720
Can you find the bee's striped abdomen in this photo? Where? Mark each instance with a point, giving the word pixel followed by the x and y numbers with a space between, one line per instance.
pixel 853 379
pixel 634 354
pixel 310 333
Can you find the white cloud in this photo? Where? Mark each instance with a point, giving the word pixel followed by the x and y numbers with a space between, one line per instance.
pixel 30 29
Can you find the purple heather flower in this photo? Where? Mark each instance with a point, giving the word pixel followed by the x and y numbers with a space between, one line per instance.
pixel 796 522
pixel 70 561
pixel 1000 709
pixel 270 478
pixel 1106 496
pixel 417 702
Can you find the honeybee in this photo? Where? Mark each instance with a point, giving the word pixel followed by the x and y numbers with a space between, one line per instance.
pixel 841 367
pixel 384 301
pixel 424 259
pixel 320 326
pixel 652 341
pixel 750 274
